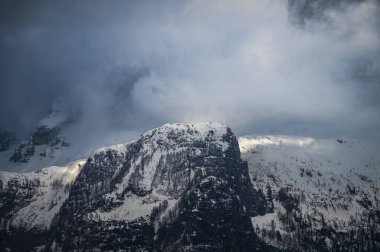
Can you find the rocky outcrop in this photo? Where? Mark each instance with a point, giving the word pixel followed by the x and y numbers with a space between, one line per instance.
pixel 44 135
pixel 180 187
pixel 48 138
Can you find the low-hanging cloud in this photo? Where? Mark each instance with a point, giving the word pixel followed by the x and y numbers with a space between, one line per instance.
pixel 259 66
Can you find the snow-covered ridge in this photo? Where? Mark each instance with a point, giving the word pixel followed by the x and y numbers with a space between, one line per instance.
pixel 39 194
pixel 336 153
pixel 186 132
pixel 121 148
pixel 333 180
pixel 202 129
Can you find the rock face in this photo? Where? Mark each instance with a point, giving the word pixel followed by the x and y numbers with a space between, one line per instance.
pixel 181 187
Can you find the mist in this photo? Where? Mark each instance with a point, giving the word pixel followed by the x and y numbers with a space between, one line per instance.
pixel 123 67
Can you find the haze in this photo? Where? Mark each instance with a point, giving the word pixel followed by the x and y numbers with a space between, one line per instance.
pixel 270 66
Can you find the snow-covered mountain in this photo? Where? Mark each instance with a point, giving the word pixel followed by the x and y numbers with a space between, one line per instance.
pixel 179 187
pixel 325 192
pixel 36 196
pixel 196 187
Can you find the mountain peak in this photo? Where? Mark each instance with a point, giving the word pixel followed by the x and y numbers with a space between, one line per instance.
pixel 198 130
pixel 175 134
pixel 171 181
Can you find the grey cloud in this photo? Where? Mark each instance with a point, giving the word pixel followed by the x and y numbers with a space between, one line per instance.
pixel 132 65
pixel 302 11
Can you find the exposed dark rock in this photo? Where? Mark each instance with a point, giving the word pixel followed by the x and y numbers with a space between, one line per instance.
pixel 23 153
pixel 44 135
pixel 213 208
pixel 288 201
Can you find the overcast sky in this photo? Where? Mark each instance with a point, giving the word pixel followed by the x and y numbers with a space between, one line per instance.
pixel 264 66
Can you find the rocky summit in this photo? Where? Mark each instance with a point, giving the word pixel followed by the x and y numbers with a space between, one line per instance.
pixel 180 187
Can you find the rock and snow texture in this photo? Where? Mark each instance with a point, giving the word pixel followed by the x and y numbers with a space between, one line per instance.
pixel 187 187
pixel 179 187
pixel 165 183
pixel 42 148
pixel 31 200
pixel 325 191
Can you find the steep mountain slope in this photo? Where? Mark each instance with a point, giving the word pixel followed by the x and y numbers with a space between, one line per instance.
pixel 324 191
pixel 29 202
pixel 179 187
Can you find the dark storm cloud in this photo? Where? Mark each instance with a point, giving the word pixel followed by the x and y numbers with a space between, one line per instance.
pixel 61 50
pixel 133 65
pixel 303 11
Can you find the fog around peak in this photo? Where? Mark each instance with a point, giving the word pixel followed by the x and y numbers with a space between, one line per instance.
pixel 269 66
